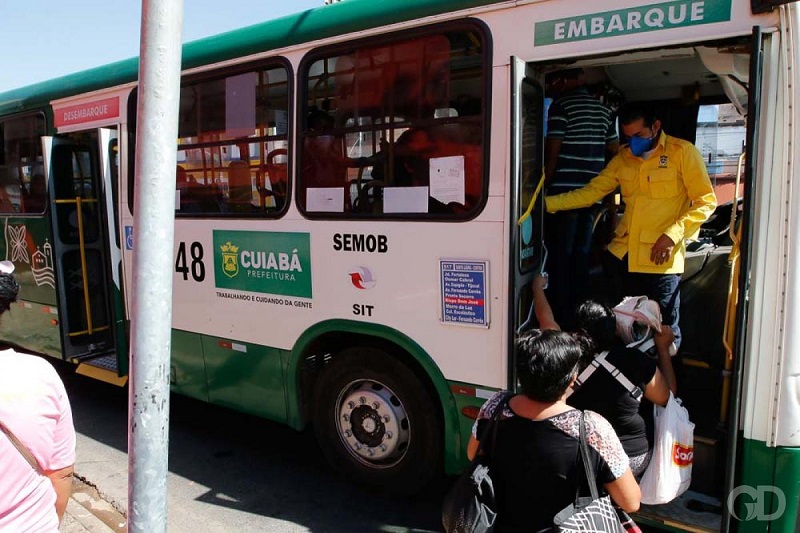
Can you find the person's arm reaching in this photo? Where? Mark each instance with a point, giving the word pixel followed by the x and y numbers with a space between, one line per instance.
pixel 664 340
pixel 541 307
pixel 663 382
pixel 590 194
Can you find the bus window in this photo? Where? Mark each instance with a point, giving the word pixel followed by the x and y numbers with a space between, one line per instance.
pixel 721 133
pixel 22 184
pixel 232 144
pixel 395 129
pixel 229 131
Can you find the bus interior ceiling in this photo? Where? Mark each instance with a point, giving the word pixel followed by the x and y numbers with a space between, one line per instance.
pixel 682 81
pixel 711 72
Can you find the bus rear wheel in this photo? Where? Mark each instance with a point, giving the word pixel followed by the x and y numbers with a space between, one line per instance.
pixel 375 421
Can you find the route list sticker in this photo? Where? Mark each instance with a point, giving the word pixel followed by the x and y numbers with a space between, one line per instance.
pixel 463 286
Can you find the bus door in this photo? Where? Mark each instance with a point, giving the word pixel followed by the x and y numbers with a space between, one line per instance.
pixel 735 335
pixel 529 254
pixel 81 245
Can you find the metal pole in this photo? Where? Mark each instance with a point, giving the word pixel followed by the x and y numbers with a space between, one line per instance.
pixel 154 218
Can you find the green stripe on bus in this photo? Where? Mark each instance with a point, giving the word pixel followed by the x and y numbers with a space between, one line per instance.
pixel 776 470
pixel 264 381
pixel 245 377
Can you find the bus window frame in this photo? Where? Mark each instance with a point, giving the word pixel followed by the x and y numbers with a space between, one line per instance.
pixel 46 199
pixel 387 39
pixel 220 74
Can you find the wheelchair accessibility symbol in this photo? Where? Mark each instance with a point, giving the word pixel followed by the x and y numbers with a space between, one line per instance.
pixel 129 237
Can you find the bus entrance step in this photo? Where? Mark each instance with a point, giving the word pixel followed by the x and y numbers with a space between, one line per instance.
pixel 103 368
pixel 692 511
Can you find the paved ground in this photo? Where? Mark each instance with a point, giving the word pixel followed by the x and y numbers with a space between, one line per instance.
pixel 88 512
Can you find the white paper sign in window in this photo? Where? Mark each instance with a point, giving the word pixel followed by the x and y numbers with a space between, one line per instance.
pixel 405 200
pixel 325 199
pixel 240 104
pixel 447 179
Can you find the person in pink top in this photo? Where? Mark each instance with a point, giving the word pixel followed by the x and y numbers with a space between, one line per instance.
pixel 35 410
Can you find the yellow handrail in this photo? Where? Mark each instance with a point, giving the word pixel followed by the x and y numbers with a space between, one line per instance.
pixel 729 329
pixel 78 201
pixel 532 203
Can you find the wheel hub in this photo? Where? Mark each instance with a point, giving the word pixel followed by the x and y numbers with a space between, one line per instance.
pixel 367 426
pixel 373 423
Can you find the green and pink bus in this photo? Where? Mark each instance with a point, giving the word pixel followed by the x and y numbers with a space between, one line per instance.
pixel 321 279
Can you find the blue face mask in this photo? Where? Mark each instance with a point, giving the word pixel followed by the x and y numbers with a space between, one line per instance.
pixel 640 145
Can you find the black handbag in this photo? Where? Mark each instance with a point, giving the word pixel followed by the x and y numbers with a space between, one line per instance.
pixel 588 514
pixel 470 505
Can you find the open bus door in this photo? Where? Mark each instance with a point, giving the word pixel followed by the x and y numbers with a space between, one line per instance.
pixel 742 235
pixel 528 255
pixel 80 228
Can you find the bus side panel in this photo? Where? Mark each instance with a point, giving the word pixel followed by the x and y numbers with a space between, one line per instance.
pixel 26 243
pixel 787 465
pixel 32 326
pixel 187 370
pixel 773 469
pixel 406 297
pixel 246 377
pixel 33 321
pixel 472 397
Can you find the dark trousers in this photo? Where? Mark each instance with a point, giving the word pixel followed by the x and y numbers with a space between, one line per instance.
pixel 663 288
pixel 569 241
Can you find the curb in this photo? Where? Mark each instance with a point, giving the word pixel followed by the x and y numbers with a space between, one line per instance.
pixel 88 512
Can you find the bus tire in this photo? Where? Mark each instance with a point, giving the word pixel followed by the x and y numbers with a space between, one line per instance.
pixel 376 422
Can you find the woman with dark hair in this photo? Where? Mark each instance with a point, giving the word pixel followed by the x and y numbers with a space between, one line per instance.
pixel 37 441
pixel 534 456
pixel 606 394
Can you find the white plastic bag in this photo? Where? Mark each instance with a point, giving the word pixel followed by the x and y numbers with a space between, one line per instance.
pixel 670 471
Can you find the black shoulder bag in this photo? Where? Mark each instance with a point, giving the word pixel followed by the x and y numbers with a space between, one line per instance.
pixel 588 514
pixel 470 505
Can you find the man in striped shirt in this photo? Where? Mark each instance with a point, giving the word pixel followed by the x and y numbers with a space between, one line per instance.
pixel 581 133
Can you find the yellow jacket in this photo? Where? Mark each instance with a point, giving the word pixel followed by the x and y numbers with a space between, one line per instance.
pixel 667 193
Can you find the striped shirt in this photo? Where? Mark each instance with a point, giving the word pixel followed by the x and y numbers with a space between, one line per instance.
pixel 585 126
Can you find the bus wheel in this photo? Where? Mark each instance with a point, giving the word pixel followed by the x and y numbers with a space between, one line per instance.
pixel 375 421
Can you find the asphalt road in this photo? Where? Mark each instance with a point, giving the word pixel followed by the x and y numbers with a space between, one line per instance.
pixel 233 472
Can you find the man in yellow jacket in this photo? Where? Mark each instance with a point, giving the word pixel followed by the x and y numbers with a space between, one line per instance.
pixel 667 196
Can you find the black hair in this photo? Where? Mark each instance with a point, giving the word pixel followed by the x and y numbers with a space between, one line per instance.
pixel 598 321
pixel 633 111
pixel 547 361
pixel 9 289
